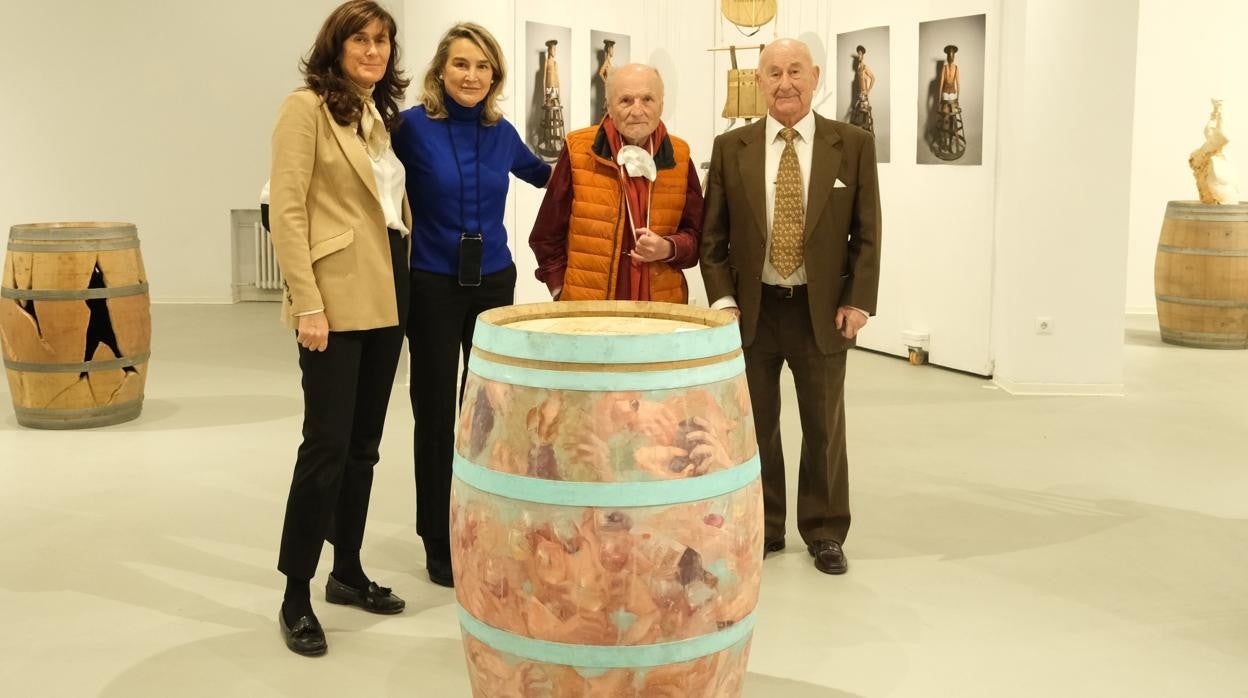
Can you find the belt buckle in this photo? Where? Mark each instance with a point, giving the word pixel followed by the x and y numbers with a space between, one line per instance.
pixel 785 291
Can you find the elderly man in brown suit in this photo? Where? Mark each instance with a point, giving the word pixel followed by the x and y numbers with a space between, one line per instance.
pixel 791 244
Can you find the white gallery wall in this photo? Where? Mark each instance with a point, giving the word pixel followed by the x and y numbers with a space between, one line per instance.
pixel 936 258
pixel 160 114
pixel 974 255
pixel 156 113
pixel 1063 194
pixel 1189 52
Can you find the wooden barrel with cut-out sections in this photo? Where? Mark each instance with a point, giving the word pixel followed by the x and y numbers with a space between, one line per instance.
pixel 75 324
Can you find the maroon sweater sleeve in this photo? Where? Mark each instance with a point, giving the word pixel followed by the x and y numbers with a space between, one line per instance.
pixel 688 237
pixel 549 238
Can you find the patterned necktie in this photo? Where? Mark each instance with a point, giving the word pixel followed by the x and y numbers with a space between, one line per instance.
pixel 788 219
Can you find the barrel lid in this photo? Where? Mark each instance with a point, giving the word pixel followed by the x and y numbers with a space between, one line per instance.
pixel 598 332
pixel 1195 210
pixel 76 230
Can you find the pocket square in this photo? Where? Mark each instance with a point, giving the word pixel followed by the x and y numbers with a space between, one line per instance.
pixel 839 184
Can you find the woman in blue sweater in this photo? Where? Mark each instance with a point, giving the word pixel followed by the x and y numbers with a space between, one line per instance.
pixel 459 152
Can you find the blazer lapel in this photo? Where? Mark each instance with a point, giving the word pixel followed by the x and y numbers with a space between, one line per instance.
pixel 825 163
pixel 353 148
pixel 750 159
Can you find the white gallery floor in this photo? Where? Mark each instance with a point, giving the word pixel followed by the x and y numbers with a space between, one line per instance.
pixel 1002 546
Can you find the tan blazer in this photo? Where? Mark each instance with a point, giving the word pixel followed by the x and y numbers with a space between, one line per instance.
pixel 842 250
pixel 328 227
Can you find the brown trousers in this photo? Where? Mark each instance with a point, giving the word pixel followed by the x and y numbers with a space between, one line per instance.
pixel 785 336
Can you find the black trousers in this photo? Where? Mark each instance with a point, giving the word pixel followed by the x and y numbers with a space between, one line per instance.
pixel 346 390
pixel 439 332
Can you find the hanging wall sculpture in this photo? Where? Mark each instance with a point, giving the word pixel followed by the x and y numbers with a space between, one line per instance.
pixel 745 95
pixel 750 14
pixel 744 99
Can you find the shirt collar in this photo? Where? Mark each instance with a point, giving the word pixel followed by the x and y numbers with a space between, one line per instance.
pixel 805 128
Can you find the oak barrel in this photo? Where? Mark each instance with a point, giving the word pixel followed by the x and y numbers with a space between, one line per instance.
pixel 606 513
pixel 1201 275
pixel 75 324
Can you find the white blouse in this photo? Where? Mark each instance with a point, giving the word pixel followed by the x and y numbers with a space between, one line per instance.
pixel 391 181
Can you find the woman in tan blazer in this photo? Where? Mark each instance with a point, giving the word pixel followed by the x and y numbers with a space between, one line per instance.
pixel 340 228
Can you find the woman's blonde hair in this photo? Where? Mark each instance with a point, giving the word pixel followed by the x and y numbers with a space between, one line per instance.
pixel 434 95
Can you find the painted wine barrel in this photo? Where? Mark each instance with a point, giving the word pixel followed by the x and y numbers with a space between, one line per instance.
pixel 75 324
pixel 1201 275
pixel 606 514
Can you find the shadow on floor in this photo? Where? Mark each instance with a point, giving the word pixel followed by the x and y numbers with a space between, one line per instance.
pixel 766 686
pixel 358 663
pixel 198 412
pixel 1144 338
pixel 256 663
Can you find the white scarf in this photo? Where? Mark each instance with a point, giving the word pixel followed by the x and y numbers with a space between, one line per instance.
pixel 372 127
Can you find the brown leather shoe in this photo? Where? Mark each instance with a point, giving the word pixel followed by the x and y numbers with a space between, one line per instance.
pixel 829 558
pixel 774 545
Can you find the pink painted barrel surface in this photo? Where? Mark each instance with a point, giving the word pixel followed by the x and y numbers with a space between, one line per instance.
pixel 606 510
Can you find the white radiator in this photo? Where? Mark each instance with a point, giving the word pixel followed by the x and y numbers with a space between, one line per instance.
pixel 268 275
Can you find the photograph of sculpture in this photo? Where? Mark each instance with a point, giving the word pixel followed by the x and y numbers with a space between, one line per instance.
pixel 606 52
pixel 863 84
pixel 951 91
pixel 547 87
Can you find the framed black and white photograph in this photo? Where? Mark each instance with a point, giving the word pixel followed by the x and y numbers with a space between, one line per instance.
pixel 951 91
pixel 863 85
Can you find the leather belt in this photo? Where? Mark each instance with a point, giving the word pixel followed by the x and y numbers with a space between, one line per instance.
pixel 785 292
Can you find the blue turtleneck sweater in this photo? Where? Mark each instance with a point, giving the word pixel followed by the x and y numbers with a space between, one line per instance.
pixel 448 200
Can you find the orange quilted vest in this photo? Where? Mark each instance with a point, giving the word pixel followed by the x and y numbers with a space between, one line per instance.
pixel 596 230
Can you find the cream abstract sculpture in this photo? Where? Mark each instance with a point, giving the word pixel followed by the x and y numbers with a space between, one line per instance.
pixel 1214 176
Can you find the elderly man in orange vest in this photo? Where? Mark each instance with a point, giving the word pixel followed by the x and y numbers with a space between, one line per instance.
pixel 623 209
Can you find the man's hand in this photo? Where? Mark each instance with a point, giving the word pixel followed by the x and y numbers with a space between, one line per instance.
pixel 850 320
pixel 651 247
pixel 313 332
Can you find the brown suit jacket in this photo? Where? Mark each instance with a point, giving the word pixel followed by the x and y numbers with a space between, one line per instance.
pixel 329 231
pixel 842 250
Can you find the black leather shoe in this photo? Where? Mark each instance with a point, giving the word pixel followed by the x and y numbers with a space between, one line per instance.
pixel 305 637
pixel 374 599
pixel 774 545
pixel 441 573
pixel 829 558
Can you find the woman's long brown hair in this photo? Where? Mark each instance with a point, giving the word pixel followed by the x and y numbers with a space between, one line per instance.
pixel 322 69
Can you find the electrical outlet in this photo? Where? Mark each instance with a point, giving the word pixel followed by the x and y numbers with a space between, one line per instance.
pixel 1044 325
